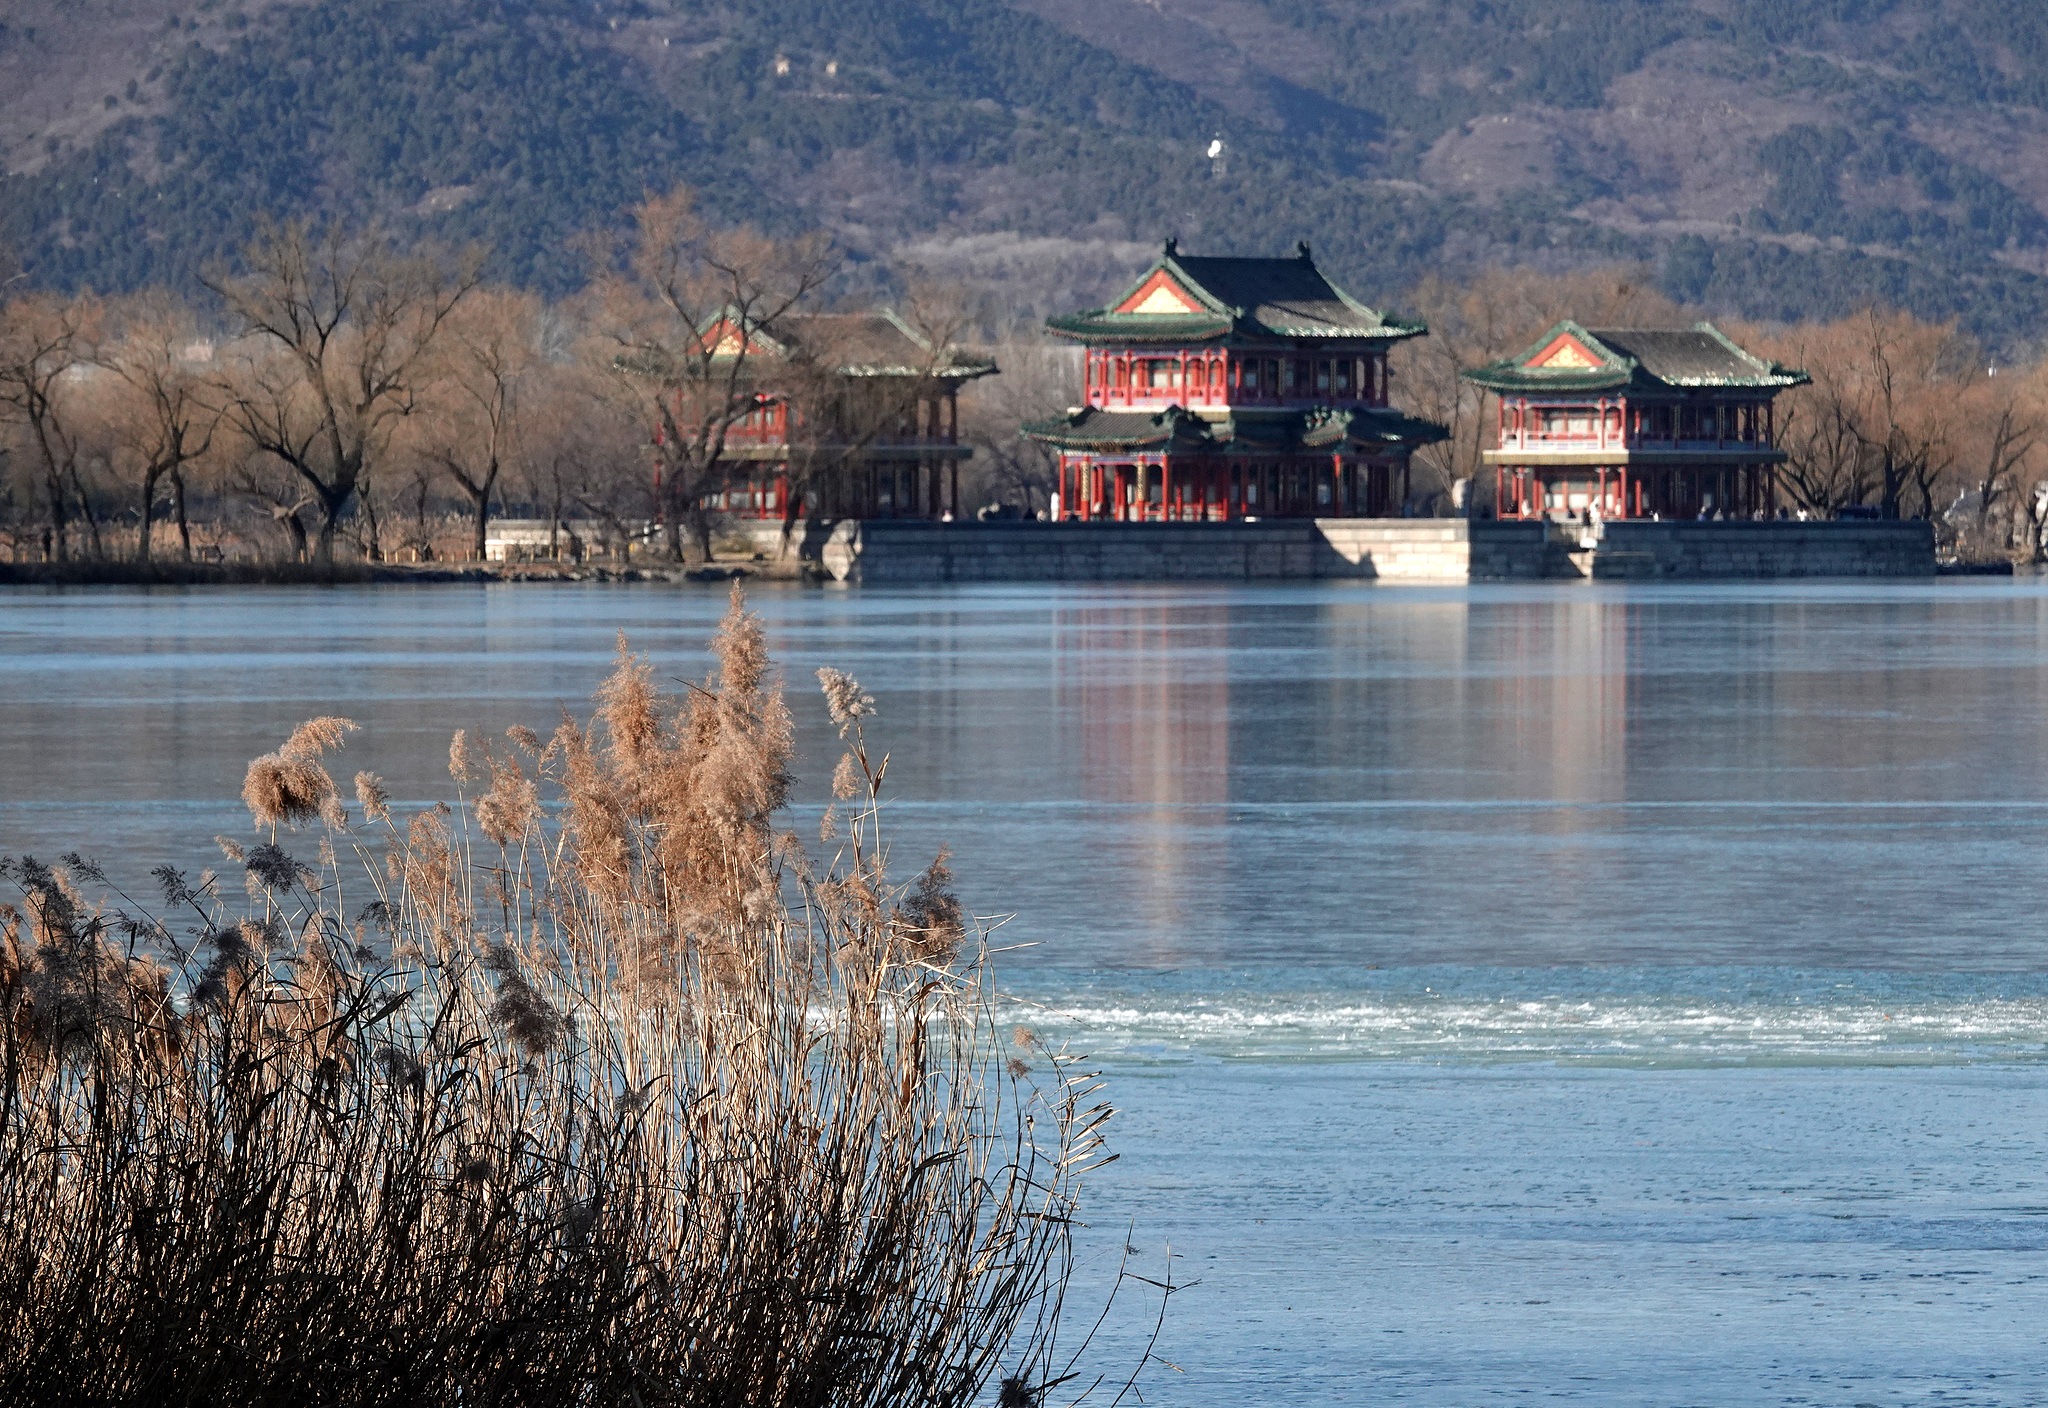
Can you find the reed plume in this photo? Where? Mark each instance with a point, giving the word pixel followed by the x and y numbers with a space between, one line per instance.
pixel 597 1091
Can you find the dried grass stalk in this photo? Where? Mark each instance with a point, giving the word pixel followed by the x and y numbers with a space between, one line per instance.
pixel 591 1116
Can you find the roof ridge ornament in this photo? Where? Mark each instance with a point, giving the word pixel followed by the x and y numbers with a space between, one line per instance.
pixel 1302 247
pixel 1173 246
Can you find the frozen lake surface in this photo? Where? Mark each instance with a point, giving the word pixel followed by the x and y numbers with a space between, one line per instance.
pixel 1611 994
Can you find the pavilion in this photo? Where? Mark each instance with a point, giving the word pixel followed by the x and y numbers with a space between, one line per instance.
pixel 1221 388
pixel 1635 423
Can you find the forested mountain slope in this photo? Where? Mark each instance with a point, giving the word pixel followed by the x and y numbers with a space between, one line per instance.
pixel 1770 158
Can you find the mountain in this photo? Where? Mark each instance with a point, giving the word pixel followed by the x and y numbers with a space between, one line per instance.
pixel 1773 159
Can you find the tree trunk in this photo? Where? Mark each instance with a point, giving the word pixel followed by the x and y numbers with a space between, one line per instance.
pixel 555 522
pixel 700 533
pixel 483 521
pixel 142 544
pixel 298 531
pixel 60 526
pixel 178 507
pixel 672 526
pixel 92 522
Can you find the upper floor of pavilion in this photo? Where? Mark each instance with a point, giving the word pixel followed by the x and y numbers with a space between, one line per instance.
pixel 1635 390
pixel 869 378
pixel 1212 335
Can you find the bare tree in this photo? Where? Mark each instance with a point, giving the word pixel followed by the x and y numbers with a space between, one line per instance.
pixel 577 445
pixel 1886 414
pixel 45 341
pixel 2011 431
pixel 282 496
pixel 472 420
pixel 165 421
pixel 685 329
pixel 339 333
pixel 1829 463
pixel 1038 381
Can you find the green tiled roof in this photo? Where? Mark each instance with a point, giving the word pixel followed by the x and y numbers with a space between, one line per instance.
pixel 1368 428
pixel 1101 325
pixel 1321 429
pixel 877 343
pixel 1090 428
pixel 1257 299
pixel 880 344
pixel 1639 359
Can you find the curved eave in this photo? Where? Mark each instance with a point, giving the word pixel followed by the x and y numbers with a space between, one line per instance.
pixel 1066 435
pixel 1494 380
pixel 1383 332
pixel 1062 441
pixel 956 372
pixel 1777 382
pixel 1368 432
pixel 1521 383
pixel 1113 327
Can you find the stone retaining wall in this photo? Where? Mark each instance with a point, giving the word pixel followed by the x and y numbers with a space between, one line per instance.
pixel 1430 549
pixel 1697 551
pixel 1411 550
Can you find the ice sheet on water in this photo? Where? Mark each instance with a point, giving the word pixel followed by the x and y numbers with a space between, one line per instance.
pixel 1636 1016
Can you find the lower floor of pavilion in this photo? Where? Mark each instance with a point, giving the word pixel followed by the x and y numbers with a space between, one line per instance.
pixel 1670 491
pixel 1217 489
pixel 878 488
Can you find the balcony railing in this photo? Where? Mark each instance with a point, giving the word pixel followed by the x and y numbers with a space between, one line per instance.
pixel 1158 398
pixel 1592 440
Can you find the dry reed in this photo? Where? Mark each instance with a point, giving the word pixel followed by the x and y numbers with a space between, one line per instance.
pixel 620 1100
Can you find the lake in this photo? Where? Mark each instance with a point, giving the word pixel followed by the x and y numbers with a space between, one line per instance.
pixel 1590 993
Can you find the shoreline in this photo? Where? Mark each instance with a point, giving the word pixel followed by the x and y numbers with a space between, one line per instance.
pixel 342 574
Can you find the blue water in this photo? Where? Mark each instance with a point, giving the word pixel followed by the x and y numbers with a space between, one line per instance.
pixel 1612 995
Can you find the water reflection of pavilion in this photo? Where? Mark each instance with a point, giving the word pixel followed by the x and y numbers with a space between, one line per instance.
pixel 1147 688
pixel 1219 773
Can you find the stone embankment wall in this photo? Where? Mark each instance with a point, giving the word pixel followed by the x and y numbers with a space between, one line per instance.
pixel 1699 551
pixel 1410 550
pixel 1427 550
